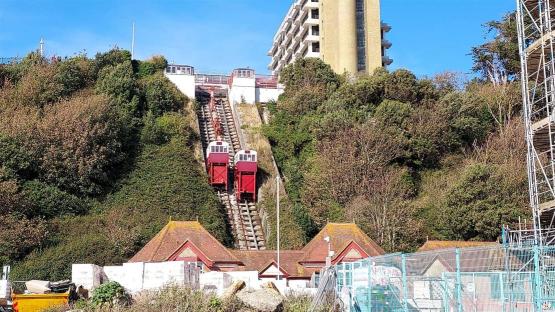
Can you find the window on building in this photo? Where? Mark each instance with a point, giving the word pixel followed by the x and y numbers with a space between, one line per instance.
pixel 315 14
pixel 361 36
pixel 316 47
pixel 315 30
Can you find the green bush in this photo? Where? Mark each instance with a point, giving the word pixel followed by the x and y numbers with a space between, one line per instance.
pixel 162 96
pixel 15 160
pixel 54 263
pixel 73 74
pixel 118 82
pixel 48 201
pixel 111 58
pixel 162 129
pixel 110 294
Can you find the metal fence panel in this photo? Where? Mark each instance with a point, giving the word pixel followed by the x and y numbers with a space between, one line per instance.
pixel 493 278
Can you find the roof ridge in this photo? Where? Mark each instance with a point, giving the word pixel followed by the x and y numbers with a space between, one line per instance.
pixel 162 234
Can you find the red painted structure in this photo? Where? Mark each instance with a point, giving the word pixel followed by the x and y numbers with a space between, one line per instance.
pixel 214 116
pixel 217 163
pixel 246 165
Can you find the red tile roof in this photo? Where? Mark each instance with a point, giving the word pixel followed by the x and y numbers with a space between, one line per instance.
pixel 341 235
pixel 174 235
pixel 258 260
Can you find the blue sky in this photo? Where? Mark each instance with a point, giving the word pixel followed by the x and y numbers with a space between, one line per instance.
pixel 215 36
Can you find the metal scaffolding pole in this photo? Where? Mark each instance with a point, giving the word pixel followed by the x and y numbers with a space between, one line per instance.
pixel 535 40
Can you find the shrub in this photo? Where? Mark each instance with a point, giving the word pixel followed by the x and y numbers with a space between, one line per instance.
pixel 118 82
pixel 19 236
pixel 14 159
pixel 48 201
pixel 160 130
pixel 174 298
pixel 73 74
pixel 111 293
pixel 162 96
pixel 54 263
pixel 149 67
pixel 111 58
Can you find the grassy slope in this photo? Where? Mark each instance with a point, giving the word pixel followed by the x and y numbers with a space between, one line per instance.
pixel 255 139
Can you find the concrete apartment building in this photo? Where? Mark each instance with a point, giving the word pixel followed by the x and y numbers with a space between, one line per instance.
pixel 346 34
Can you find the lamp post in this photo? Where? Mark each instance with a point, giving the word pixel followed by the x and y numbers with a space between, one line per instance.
pixel 277 228
pixel 328 257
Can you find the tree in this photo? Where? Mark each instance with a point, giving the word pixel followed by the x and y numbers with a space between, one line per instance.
pixel 478 204
pixel 118 82
pixel 162 96
pixel 385 212
pixel 498 60
pixel 309 72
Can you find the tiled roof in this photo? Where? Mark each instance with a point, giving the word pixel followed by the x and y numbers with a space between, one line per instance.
pixel 177 233
pixel 258 260
pixel 341 235
pixel 436 244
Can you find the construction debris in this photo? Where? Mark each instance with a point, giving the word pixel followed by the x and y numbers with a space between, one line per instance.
pixel 233 290
pixel 263 300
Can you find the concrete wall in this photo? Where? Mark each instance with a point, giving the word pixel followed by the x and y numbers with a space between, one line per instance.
pixel 87 275
pixel 373 35
pixel 243 89
pixel 185 83
pixel 266 95
pixel 338 35
pixel 4 289
pixel 134 277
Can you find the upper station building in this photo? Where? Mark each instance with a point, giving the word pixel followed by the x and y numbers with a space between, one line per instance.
pixel 346 34
pixel 243 85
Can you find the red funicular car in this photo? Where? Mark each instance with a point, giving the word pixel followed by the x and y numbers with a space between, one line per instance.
pixel 217 162
pixel 245 175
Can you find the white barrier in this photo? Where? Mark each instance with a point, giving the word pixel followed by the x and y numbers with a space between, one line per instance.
pixel 4 289
pixel 87 275
pixel 216 282
pixel 138 276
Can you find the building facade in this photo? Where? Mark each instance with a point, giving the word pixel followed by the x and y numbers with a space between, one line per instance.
pixel 189 241
pixel 242 85
pixel 347 34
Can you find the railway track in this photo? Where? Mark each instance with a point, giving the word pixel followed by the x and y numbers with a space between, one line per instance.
pixel 243 217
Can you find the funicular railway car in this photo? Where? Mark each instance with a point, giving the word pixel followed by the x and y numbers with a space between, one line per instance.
pixel 246 165
pixel 217 160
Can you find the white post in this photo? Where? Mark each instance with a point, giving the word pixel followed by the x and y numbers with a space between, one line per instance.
pixel 41 47
pixel 277 228
pixel 133 42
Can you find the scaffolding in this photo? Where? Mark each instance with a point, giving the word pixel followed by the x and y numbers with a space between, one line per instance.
pixel 535 40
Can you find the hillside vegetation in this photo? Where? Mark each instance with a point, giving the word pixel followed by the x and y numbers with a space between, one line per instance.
pixel 405 158
pixel 95 157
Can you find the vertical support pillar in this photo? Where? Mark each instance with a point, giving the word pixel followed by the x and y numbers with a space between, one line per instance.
pixel 445 287
pixel 502 290
pixel 349 286
pixel 404 277
pixel 537 279
pixel 369 285
pixel 474 292
pixel 459 281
